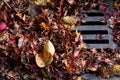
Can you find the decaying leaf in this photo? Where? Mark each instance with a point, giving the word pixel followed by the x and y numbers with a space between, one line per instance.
pixel 3 25
pixel 68 22
pixel 116 69
pixel 117 3
pixel 82 46
pixel 46 56
pixel 43 59
pixel 41 2
pixel 71 1
pixel 39 60
pixel 43 25
pixel 49 1
pixel 79 78
pixel 21 16
pixel 1 4
pixel 48 46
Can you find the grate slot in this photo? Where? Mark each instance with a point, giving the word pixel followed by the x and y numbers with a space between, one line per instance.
pixel 95 36
pixel 94 13
pixel 96 41
pixel 93 23
pixel 89 32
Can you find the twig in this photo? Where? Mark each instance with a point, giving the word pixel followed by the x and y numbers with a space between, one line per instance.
pixel 7 4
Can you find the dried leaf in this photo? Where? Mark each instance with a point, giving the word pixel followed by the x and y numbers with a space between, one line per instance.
pixel 47 57
pixel 79 78
pixel 71 1
pixel 116 69
pixel 1 4
pixel 41 2
pixel 68 22
pixel 3 26
pixel 117 3
pixel 19 15
pixel 92 68
pixel 48 46
pixel 107 60
pixel 49 1
pixel 44 26
pixel 39 60
pixel 43 59
pixel 82 46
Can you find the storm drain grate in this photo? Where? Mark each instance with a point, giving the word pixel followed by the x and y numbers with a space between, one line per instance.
pixel 95 33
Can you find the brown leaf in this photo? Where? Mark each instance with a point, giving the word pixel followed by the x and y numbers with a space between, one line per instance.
pixel 39 60
pixel 48 46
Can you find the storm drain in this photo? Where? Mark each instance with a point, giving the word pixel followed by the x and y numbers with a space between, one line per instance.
pixel 95 33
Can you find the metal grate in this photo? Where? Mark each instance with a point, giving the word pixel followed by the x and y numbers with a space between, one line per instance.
pixel 95 33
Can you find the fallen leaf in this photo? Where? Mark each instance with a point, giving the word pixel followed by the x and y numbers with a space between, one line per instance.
pixel 39 60
pixel 47 57
pixel 43 25
pixel 43 59
pixel 3 26
pixel 68 22
pixel 41 2
pixel 117 3
pixel 116 69
pixel 1 4
pixel 48 46
pixel 49 1
pixel 71 1
pixel 79 78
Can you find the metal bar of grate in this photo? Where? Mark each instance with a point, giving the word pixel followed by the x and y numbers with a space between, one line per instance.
pixel 94 27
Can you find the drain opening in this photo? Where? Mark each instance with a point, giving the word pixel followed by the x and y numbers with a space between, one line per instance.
pixel 94 13
pixel 96 41
pixel 93 23
pixel 94 32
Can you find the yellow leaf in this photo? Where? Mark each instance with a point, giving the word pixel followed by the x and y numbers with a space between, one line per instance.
pixel 19 15
pixel 79 78
pixel 43 59
pixel 68 22
pixel 49 1
pixel 41 2
pixel 117 3
pixel 92 68
pixel 44 26
pixel 77 33
pixel 48 46
pixel 116 69
pixel 39 60
pixel 47 57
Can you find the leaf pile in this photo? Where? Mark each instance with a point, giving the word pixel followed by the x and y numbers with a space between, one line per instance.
pixel 37 38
